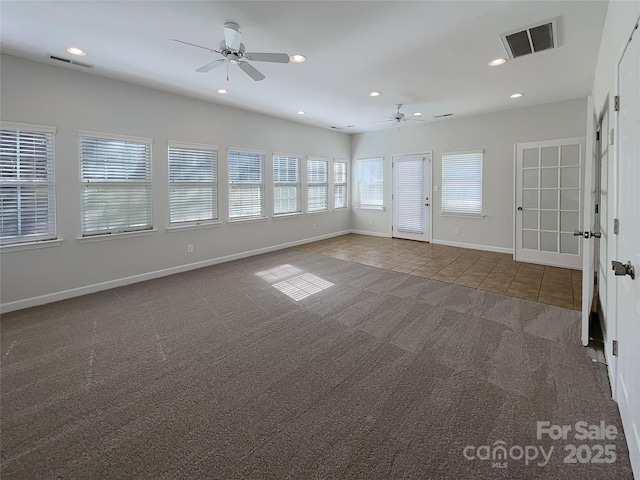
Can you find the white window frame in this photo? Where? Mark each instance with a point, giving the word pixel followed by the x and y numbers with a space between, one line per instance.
pixel 459 195
pixel 344 184
pixel 211 184
pixel 360 165
pixel 311 184
pixel 147 184
pixel 47 185
pixel 239 184
pixel 295 184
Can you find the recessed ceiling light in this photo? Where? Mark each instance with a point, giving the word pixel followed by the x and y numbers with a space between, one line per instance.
pixel 76 51
pixel 222 91
pixel 517 95
pixel 375 94
pixel 497 61
pixel 417 114
pixel 297 58
pixel 300 112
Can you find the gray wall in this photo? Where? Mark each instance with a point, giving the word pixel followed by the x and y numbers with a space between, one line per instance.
pixel 496 133
pixel 49 95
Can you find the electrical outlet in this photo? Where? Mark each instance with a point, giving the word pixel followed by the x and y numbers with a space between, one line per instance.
pixel 190 248
pixel 435 188
pixel 457 231
pixel 370 222
pixel 314 226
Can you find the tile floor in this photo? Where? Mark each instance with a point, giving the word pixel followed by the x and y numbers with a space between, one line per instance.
pixel 494 272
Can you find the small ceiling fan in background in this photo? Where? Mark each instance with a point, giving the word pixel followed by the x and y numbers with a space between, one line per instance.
pixel 400 117
pixel 233 51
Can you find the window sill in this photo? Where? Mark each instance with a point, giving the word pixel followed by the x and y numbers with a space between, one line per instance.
pixel 341 209
pixel 286 215
pixel 464 215
pixel 246 220
pixel 316 212
pixel 17 247
pixel 373 207
pixel 115 236
pixel 200 226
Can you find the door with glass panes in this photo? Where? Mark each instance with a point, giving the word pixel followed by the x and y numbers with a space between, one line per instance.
pixel 412 196
pixel 549 178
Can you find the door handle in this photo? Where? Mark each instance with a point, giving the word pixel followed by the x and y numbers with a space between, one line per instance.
pixel 519 209
pixel 586 234
pixel 622 269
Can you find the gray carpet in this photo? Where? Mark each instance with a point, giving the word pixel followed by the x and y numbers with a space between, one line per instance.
pixel 218 373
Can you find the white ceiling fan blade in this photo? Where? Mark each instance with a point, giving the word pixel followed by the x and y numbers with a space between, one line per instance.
pixel 194 45
pixel 232 36
pixel 268 57
pixel 211 66
pixel 251 71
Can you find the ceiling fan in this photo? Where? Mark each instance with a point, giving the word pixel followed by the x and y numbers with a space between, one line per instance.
pixel 399 117
pixel 232 49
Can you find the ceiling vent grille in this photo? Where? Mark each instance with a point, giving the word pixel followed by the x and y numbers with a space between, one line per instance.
pixel 533 39
pixel 70 62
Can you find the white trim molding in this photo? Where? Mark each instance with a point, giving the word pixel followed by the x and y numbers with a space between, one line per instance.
pixel 474 246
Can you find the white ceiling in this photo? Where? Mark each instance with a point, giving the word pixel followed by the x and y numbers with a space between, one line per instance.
pixel 429 55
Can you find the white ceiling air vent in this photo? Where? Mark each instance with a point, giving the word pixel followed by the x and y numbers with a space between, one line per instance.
pixel 70 62
pixel 532 39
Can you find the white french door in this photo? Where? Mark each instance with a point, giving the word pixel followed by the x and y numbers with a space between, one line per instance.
pixel 549 178
pixel 412 197
pixel 627 248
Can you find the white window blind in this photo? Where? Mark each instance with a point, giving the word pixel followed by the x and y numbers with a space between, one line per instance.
pixel 246 186
pixel 193 185
pixel 462 183
pixel 286 184
pixel 318 185
pixel 409 195
pixel 370 183
pixel 116 184
pixel 340 184
pixel 27 186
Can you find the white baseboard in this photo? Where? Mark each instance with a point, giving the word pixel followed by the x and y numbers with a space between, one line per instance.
pixel 120 282
pixel 487 248
pixel 372 234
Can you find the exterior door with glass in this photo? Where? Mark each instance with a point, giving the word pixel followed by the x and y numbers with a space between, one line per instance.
pixel 412 196
pixel 549 178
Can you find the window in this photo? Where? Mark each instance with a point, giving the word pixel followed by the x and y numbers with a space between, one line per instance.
pixel 286 184
pixel 340 197
pixel 193 184
pixel 27 187
pixel 462 183
pixel 370 183
pixel 246 187
pixel 318 185
pixel 116 184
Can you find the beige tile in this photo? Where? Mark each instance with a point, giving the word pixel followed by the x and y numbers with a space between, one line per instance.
pixel 403 269
pixel 491 287
pixel 469 280
pixel 444 278
pixel 558 301
pixel 522 293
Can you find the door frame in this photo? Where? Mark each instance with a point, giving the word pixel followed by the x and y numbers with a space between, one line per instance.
pixel 588 208
pixel 428 188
